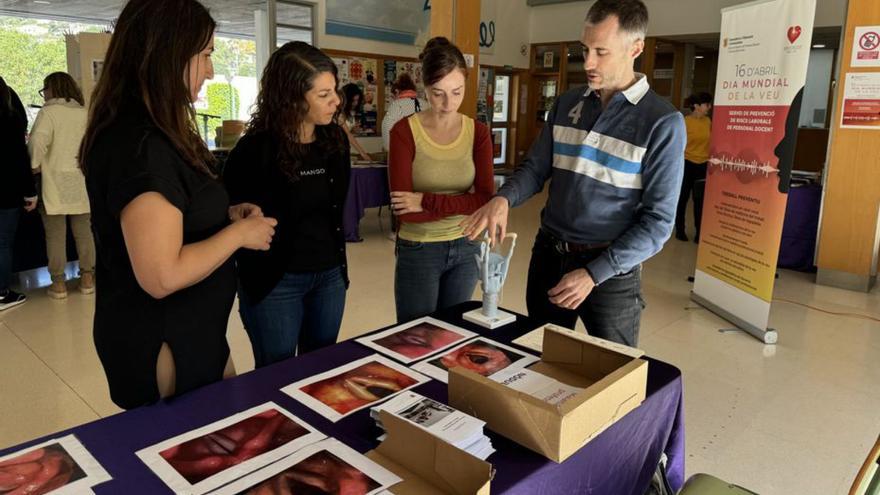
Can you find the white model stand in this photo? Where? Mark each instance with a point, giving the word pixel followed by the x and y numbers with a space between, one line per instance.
pixel 499 320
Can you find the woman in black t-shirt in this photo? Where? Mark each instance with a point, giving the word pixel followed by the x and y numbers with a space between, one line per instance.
pixel 164 231
pixel 293 162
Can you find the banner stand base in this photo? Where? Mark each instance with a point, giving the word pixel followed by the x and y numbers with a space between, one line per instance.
pixel 767 336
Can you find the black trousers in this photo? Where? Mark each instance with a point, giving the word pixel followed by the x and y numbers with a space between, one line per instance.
pixel 692 173
pixel 613 309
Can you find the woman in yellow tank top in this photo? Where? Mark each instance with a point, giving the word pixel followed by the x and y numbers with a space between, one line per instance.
pixel 696 157
pixel 440 167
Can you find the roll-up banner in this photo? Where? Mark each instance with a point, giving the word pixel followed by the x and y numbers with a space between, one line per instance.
pixel 762 69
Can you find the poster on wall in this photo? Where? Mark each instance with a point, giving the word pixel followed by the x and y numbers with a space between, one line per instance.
pixel 390 77
pixel 362 72
pixel 762 69
pixel 866 47
pixel 342 68
pixel 861 101
pixel 483 96
pixel 97 68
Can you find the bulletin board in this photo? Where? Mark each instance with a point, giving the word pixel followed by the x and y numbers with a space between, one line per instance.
pixel 374 74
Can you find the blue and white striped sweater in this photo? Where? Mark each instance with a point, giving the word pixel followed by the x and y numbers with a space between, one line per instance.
pixel 616 174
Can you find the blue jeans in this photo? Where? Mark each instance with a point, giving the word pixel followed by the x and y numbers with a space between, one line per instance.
pixel 302 313
pixel 613 309
pixel 8 226
pixel 430 276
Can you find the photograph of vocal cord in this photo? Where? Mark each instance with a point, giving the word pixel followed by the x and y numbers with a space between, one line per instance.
pixel 359 384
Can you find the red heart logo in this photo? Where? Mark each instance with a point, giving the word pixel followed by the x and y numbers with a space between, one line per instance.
pixel 794 32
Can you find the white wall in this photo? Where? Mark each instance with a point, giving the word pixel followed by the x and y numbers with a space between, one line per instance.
pixel 563 22
pixel 512 31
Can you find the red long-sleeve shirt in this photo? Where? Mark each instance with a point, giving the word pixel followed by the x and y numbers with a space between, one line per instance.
pixel 438 206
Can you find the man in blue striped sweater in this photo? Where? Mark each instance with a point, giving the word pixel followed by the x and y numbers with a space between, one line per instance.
pixel 615 154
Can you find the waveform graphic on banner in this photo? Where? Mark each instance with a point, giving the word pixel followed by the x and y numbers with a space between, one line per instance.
pixel 737 165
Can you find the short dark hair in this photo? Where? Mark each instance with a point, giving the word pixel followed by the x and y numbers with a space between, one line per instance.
pixel 439 58
pixel 62 85
pixel 404 83
pixel 631 14
pixel 698 99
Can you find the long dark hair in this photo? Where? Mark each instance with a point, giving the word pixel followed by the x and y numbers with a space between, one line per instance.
pixel 5 98
pixel 62 85
pixel 351 90
pixel 281 104
pixel 439 58
pixel 11 108
pixel 147 62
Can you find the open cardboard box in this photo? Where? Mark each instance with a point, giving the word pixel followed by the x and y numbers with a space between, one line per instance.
pixel 613 377
pixel 427 464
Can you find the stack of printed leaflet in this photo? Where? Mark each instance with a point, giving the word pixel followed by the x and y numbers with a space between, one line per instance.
pixel 536 384
pixel 448 424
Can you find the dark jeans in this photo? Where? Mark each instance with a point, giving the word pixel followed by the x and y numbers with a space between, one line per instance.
pixel 613 309
pixel 8 226
pixel 302 313
pixel 430 276
pixel 692 173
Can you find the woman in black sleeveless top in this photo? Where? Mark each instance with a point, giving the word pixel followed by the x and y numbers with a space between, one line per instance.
pixel 164 231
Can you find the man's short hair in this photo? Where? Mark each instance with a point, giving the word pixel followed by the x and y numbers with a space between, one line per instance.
pixel 631 14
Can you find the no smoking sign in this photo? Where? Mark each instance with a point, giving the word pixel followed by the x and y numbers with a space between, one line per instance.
pixel 866 47
pixel 869 41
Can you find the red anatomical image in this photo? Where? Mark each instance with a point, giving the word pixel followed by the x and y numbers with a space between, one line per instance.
pixel 38 471
pixel 479 356
pixel 320 474
pixel 420 340
pixel 358 387
pixel 205 456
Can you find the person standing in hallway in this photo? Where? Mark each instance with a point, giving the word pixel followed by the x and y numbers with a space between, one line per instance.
pixel 293 162
pixel 348 118
pixel 440 167
pixel 17 188
pixel 406 102
pixel 164 230
pixel 696 158
pixel 54 146
pixel 614 155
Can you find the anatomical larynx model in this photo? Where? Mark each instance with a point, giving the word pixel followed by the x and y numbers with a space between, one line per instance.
pixel 493 272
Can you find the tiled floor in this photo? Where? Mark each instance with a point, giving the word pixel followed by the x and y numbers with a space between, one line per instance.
pixel 795 418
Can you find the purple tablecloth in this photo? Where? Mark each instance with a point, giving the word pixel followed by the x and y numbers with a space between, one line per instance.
pixel 620 461
pixel 368 189
pixel 798 243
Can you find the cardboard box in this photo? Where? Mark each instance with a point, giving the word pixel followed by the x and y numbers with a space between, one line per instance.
pixel 428 465
pixel 613 377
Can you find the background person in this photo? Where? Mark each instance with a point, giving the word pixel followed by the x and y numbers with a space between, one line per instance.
pixel 17 189
pixel 54 146
pixel 696 158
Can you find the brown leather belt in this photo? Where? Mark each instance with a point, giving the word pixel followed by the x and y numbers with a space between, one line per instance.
pixel 571 247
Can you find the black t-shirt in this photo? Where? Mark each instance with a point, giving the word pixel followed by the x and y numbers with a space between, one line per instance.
pixel 309 236
pixel 131 157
